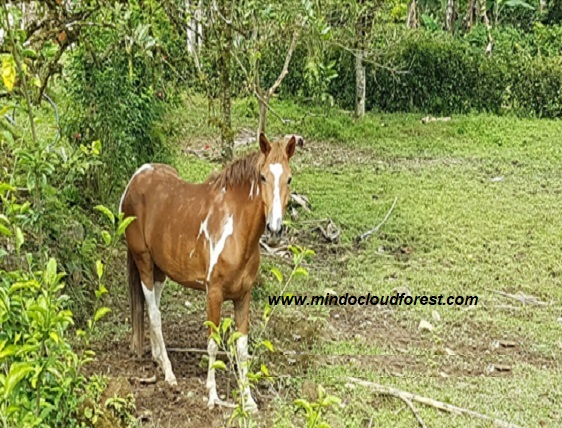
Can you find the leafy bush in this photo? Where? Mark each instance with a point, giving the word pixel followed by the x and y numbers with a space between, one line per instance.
pixel 433 72
pixel 117 88
pixel 41 378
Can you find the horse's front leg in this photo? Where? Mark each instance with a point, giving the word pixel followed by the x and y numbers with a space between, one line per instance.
pixel 214 305
pixel 241 314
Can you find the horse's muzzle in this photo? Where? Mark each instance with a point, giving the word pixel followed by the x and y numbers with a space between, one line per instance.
pixel 278 232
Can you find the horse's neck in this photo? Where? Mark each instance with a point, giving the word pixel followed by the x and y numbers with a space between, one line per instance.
pixel 251 211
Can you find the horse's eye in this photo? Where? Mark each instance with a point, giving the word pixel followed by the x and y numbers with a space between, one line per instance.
pixel 290 179
pixel 263 178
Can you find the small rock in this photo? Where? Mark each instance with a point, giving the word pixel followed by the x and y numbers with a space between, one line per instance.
pixel 496 179
pixel 450 352
pixel 188 304
pixel 424 325
pixel 435 315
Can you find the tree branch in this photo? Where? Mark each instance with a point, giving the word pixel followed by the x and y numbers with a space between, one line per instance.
pixel 408 396
pixel 285 70
pixel 378 226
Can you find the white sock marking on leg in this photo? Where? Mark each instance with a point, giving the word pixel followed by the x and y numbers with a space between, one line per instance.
pixel 212 349
pixel 242 350
pixel 159 348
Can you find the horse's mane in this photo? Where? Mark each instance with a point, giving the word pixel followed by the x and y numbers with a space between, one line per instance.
pixel 244 170
pixel 238 172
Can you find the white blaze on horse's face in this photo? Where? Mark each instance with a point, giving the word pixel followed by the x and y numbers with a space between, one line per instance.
pixel 275 220
pixel 275 180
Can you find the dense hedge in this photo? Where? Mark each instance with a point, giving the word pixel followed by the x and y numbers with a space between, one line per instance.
pixel 436 73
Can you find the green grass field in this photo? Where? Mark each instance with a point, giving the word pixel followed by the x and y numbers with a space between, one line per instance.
pixel 478 209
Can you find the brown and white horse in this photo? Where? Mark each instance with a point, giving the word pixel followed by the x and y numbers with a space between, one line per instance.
pixel 203 236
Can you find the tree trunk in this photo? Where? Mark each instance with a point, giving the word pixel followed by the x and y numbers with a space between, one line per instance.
pixel 360 37
pixel 471 14
pixel 360 85
pixel 412 19
pixel 263 114
pixel 450 16
pixel 190 32
pixel 225 84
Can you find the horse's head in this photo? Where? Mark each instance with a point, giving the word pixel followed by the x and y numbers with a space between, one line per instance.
pixel 275 180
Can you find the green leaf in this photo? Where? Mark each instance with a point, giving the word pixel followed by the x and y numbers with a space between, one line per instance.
pixel 519 3
pixel 303 403
pixel 211 325
pixel 107 212
pixel 101 291
pixel 226 324
pixel 101 312
pixel 219 365
pixel 268 345
pixel 5 231
pixel 106 237
pixel 300 271
pixel 51 272
pixel 234 337
pixel 9 72
pixel 99 268
pixel 277 274
pixel 124 225
pixel 331 400
pixel 19 239
pixel 96 147
pixel 17 372
pixel 264 370
pixel 53 335
pixel 5 187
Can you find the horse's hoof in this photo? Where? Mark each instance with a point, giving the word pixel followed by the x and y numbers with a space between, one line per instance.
pixel 251 407
pixel 172 382
pixel 221 403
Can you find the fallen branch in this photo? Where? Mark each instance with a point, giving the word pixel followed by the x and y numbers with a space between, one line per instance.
pixel 365 235
pixel 193 351
pixel 523 298
pixel 408 396
pixel 428 119
pixel 414 411
pixel 145 380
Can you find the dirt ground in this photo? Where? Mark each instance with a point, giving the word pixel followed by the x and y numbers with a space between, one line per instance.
pixel 382 340
pixel 159 405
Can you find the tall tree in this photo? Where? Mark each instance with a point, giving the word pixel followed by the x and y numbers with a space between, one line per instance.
pixel 450 16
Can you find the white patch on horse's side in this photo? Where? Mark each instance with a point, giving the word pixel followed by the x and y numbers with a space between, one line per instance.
pixel 156 339
pixel 145 167
pixel 276 216
pixel 203 227
pixel 216 248
pixel 252 190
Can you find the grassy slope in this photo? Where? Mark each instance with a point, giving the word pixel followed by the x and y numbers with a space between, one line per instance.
pixel 454 231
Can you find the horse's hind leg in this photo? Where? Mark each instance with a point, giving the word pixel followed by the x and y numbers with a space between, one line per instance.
pixel 152 285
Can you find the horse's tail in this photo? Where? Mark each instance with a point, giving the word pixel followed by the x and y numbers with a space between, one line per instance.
pixel 137 305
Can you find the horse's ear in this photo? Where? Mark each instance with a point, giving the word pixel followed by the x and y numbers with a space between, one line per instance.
pixel 265 145
pixel 291 146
